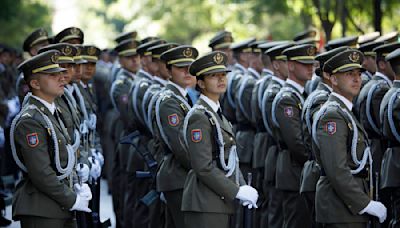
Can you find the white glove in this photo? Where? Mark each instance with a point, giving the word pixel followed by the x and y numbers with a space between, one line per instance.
pixel 248 204
pixel 248 193
pixel 377 209
pixel 81 205
pixel 95 170
pixel 82 170
pixel 83 191
pixel 98 156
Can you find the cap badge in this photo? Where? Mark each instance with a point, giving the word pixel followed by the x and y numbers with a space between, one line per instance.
pixel 354 57
pixel 227 39
pixel 74 31
pixel 67 51
pixel 78 51
pixel 54 58
pixel 91 50
pixel 218 58
pixel 42 33
pixel 188 53
pixel 311 51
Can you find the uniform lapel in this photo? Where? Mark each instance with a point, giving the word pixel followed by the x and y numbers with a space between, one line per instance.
pixel 222 122
pixel 46 111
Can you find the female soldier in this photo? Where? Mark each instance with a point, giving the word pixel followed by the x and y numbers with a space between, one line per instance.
pixel 213 183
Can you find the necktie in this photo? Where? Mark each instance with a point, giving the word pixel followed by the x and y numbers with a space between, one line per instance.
pixel 189 100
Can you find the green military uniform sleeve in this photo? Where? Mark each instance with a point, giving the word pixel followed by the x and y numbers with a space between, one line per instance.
pixel 200 151
pixel 172 117
pixel 288 116
pixel 35 155
pixel 334 157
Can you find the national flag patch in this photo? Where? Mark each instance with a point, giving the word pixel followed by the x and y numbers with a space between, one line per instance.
pixel 32 139
pixel 196 135
pixel 330 128
pixel 288 112
pixel 173 119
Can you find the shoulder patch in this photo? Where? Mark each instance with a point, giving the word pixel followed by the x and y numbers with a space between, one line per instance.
pixel 197 136
pixel 173 119
pixel 32 139
pixel 288 111
pixel 330 128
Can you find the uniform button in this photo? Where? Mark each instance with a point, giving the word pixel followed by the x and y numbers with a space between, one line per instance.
pixel 231 138
pixel 59 141
pixel 349 206
pixel 222 197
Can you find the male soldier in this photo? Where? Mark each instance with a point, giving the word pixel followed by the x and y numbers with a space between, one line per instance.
pixel 369 61
pixel 261 136
pixel 312 104
pixel 148 67
pixel 274 196
pixel 342 198
pixel 350 41
pixel 36 40
pixel 286 113
pixel 71 35
pixel 171 109
pixel 389 116
pixel 130 64
pixel 368 104
pixel 241 53
pixel 221 42
pixel 44 198
pixel 163 74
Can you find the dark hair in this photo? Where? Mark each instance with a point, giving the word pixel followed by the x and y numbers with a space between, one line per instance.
pixel 197 87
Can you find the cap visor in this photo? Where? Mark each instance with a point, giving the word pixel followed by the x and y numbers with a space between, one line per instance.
pixel 226 70
pixel 129 54
pixel 80 61
pixel 65 61
pixel 310 61
pixel 182 64
pixel 53 70
pixel 352 68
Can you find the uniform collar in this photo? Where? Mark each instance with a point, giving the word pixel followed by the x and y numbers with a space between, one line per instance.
pixel 211 103
pixel 146 74
pixel 180 89
pixel 295 85
pixel 346 102
pixel 327 86
pixel 83 84
pixel 253 72
pixel 239 67
pixel 160 80
pixel 280 81
pixel 266 71
pixel 69 87
pixel 51 107
pixel 132 75
pixel 384 77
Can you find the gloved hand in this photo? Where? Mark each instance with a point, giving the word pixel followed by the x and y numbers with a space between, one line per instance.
pixel 248 204
pixel 83 191
pixel 98 156
pixel 83 196
pixel 82 170
pixel 81 205
pixel 95 170
pixel 248 193
pixel 376 209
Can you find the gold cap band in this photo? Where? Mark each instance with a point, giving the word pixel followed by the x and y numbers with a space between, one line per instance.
pixel 370 53
pixel 90 57
pixel 222 45
pixel 156 56
pixel 128 51
pixel 180 60
pixel 281 57
pixel 345 66
pixel 42 38
pixel 308 57
pixel 69 37
pixel 147 53
pixel 66 58
pixel 205 70
pixel 45 68
pixel 247 50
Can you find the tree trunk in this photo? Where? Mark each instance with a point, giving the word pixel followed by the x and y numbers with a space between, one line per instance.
pixel 378 15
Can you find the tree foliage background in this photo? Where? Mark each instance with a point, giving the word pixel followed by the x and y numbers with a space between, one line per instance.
pixel 195 21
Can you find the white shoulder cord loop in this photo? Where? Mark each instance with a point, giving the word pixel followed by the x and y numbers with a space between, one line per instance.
pixel 390 115
pixel 265 115
pixel 150 110
pixel 70 149
pixel 231 100
pixel 306 112
pixel 81 102
pixel 158 117
pixel 368 106
pixel 278 98
pixel 233 159
pixel 243 85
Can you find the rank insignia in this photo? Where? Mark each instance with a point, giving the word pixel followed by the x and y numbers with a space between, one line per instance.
pixel 288 112
pixel 32 139
pixel 196 135
pixel 173 119
pixel 330 128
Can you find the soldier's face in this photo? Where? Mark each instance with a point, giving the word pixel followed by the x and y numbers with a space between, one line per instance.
pixel 89 69
pixel 213 84
pixel 153 68
pixel 369 64
pixel 69 73
pixel 49 86
pixel 73 41
pixel 34 50
pixel 130 63
pixel 162 69
pixel 303 72
pixel 78 71
pixel 347 84
pixel 282 69
pixel 181 76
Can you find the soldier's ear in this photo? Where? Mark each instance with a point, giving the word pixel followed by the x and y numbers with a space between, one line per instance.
pixel 201 84
pixel 333 79
pixel 275 65
pixel 34 83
